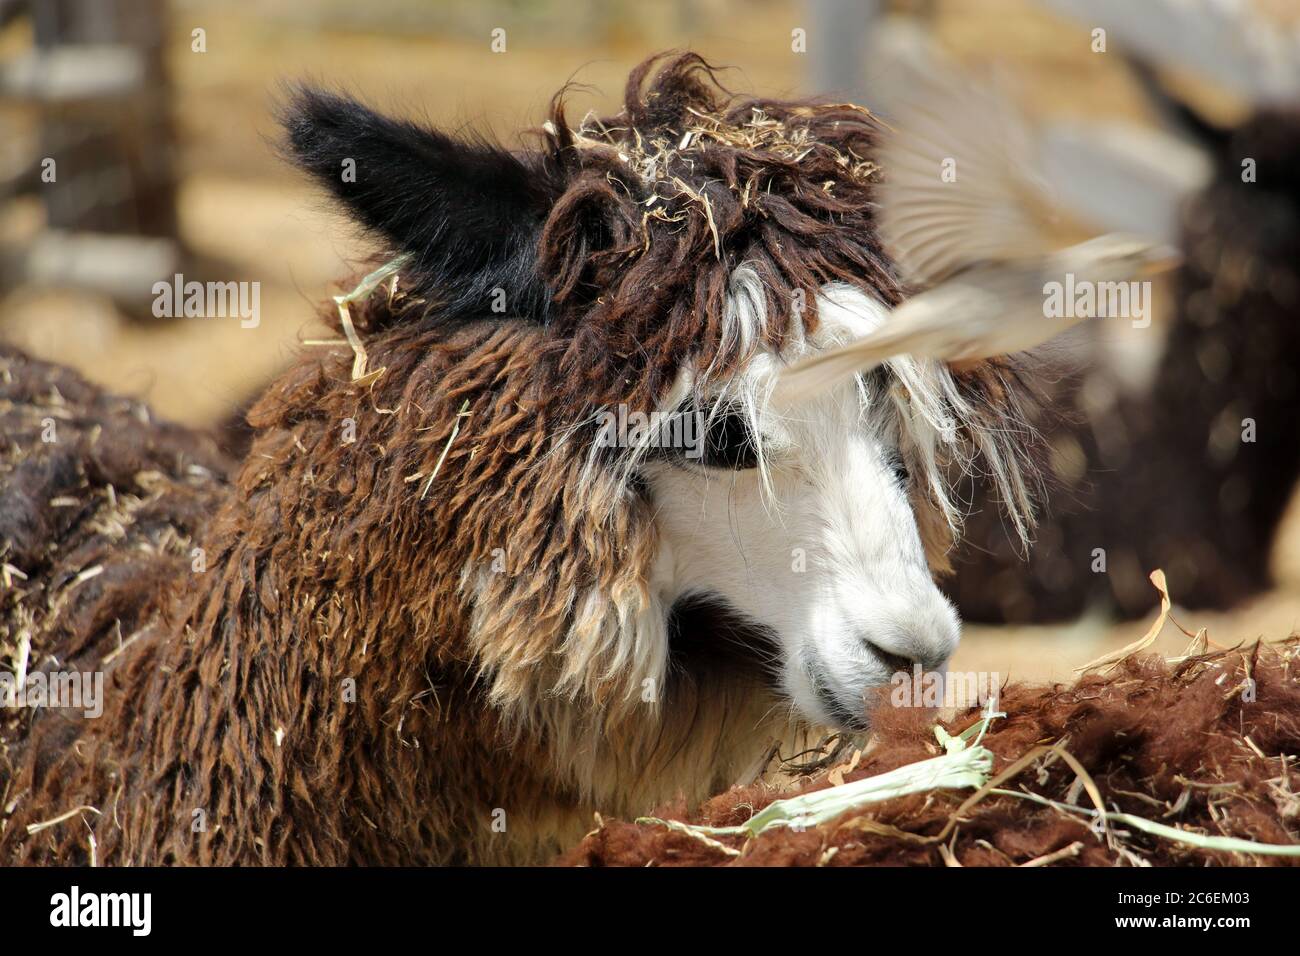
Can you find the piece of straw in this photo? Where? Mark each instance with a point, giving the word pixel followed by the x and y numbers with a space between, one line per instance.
pixel 38 827
pixel 363 289
pixel 1202 840
pixel 1112 660
pixel 24 657
pixel 455 430
pixel 962 766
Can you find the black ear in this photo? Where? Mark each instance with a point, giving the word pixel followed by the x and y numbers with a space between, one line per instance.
pixel 469 212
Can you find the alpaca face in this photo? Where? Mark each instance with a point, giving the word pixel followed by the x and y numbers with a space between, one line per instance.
pixel 806 530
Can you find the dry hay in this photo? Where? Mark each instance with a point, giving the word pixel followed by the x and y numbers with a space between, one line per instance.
pixel 1206 744
pixel 654 159
pixel 99 504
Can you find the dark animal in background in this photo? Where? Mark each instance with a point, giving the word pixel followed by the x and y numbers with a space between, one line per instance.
pixel 1163 478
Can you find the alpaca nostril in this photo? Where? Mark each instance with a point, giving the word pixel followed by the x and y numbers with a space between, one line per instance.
pixel 927 661
pixel 904 643
pixel 895 662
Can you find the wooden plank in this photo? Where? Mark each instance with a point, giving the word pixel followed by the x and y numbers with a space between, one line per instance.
pixel 124 268
pixel 73 74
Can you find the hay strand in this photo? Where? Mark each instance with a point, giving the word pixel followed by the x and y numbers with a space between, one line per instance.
pixel 455 430
pixel 46 824
pixel 363 289
pixel 1108 662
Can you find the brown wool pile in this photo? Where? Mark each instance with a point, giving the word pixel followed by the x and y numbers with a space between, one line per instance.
pixel 1178 743
pixel 99 504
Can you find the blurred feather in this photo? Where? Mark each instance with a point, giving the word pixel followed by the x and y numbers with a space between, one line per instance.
pixel 966 215
pixel 982 312
pixel 961 181
pixel 1122 177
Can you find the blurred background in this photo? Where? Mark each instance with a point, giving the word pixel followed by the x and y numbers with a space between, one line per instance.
pixel 137 141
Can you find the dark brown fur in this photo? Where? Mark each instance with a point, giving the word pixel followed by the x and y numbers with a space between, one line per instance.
pixel 87 480
pixel 1163 742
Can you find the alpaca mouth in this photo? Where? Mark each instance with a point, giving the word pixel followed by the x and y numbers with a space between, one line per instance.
pixel 840 714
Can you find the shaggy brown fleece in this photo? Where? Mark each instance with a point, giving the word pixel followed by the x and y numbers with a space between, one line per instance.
pixel 99 505
pixel 398 647
pixel 1179 744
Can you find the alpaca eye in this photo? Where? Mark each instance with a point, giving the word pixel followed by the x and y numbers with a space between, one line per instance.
pixel 727 443
pixel 899 468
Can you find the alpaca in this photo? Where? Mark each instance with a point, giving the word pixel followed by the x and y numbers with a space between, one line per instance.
pixel 446 610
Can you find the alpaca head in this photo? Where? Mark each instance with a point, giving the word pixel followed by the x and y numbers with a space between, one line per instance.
pixel 804 521
pixel 662 266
